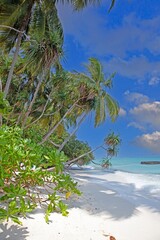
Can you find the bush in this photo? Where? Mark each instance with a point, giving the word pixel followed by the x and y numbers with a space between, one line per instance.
pixel 75 148
pixel 25 182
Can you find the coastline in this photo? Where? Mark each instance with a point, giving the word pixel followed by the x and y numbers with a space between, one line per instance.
pixel 112 203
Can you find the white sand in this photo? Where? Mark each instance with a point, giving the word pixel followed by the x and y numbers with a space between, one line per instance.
pixel 114 204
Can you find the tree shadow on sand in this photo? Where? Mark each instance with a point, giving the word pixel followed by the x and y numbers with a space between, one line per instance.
pixel 13 232
pixel 114 199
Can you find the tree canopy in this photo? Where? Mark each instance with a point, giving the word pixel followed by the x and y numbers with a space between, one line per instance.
pixel 40 102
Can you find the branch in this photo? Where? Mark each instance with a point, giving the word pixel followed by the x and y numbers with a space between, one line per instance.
pixel 16 30
pixel 76 159
pixel 54 144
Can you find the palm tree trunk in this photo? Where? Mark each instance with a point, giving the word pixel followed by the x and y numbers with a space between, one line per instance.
pixel 15 56
pixel 49 133
pixel 17 48
pixel 45 106
pixel 84 154
pixel 32 102
pixel 73 132
pixel 1 120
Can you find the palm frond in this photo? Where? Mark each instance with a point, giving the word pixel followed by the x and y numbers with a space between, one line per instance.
pixel 37 23
pixel 45 47
pixel 80 4
pixel 112 106
pixel 112 5
pixel 100 111
pixel 95 70
pixel 13 15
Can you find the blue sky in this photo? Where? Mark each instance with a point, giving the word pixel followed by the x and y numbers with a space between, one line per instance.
pixel 126 41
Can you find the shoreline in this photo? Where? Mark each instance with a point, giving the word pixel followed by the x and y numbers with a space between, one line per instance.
pixel 113 203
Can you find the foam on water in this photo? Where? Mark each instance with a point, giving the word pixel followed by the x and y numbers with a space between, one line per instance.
pixel 145 179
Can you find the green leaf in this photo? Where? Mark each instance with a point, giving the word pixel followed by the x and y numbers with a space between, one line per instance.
pixel 16 220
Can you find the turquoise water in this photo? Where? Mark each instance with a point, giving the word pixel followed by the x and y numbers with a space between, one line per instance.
pixel 134 165
pixel 140 175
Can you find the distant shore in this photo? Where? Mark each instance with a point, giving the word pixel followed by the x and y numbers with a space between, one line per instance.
pixel 150 162
pixel 112 204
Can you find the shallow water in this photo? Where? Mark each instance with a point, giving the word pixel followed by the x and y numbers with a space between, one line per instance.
pixel 134 165
pixel 142 177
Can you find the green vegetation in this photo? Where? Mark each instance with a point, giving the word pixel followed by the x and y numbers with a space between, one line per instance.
pixel 39 103
pixel 112 142
pixel 75 148
pixel 23 171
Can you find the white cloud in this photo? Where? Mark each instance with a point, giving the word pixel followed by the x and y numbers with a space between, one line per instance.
pixel 135 97
pixel 136 125
pixel 148 114
pixel 136 67
pixel 122 112
pixel 99 37
pixel 150 141
pixel 95 31
pixel 154 81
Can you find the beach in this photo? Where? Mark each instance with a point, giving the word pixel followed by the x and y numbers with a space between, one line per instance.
pixel 113 203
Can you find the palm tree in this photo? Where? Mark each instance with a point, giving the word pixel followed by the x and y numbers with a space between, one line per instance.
pixel 110 144
pixel 15 14
pixel 88 95
pixel 112 140
pixel 95 86
pixel 78 123
pixel 95 98
pixel 15 20
pixel 46 49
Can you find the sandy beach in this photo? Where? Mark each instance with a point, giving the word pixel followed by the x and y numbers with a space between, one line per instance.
pixel 112 204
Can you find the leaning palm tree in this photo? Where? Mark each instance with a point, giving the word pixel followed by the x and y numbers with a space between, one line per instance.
pixel 89 94
pixel 95 97
pixel 110 145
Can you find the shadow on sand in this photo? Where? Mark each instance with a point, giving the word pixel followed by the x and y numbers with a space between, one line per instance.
pixel 114 199
pixel 13 232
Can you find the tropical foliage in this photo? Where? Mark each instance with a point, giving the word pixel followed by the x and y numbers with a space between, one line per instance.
pixel 75 148
pixel 39 103
pixel 110 145
pixel 23 171
pixel 112 142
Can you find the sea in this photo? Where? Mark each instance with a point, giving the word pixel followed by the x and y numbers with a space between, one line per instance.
pixel 134 165
pixel 141 175
pixel 131 165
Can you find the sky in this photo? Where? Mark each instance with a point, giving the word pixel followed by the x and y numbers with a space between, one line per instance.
pixel 126 41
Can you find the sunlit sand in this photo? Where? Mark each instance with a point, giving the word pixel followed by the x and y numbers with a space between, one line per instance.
pixel 112 204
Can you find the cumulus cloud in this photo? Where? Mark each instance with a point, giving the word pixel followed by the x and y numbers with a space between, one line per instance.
pixel 148 114
pixel 137 98
pixel 97 35
pixel 136 67
pixel 94 30
pixel 154 81
pixel 136 125
pixel 122 112
pixel 150 141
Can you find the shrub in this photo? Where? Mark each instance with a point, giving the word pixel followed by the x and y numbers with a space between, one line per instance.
pixel 25 182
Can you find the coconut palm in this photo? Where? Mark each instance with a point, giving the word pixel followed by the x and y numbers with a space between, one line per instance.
pixel 112 140
pixel 95 85
pixel 15 14
pixel 94 98
pixel 110 144
pixel 46 48
pixel 15 19
pixel 87 93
